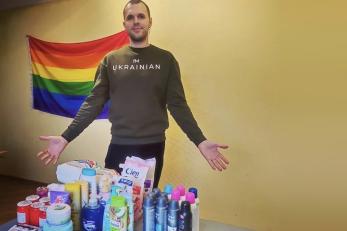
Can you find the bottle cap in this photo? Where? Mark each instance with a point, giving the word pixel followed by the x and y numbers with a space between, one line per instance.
pixel 194 190
pixel 175 195
pixel 147 184
pixel 173 205
pixel 152 195
pixel 181 189
pixel 88 172
pixel 190 197
pixel 148 201
pixel 156 191
pixel 164 194
pixel 168 188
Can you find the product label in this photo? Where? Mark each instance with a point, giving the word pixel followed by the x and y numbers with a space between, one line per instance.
pixel 21 218
pixel 89 225
pixel 172 223
pixel 169 228
pixel 118 218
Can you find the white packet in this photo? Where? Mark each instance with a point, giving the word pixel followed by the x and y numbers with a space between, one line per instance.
pixel 139 174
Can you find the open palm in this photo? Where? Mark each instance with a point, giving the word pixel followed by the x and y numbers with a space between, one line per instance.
pixel 56 145
pixel 211 153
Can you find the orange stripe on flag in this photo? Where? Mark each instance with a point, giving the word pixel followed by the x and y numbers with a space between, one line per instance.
pixel 64 61
pixel 102 45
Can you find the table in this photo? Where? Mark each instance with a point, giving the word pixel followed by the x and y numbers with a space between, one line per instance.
pixel 205 225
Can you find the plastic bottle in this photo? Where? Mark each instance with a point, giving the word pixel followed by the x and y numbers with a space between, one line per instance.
pixel 182 191
pixel 168 190
pixel 92 216
pixel 130 204
pixel 164 194
pixel 190 197
pixel 156 191
pixel 148 214
pixel 89 175
pixel 176 196
pixel 106 221
pixel 197 203
pixel 118 214
pixel 172 216
pixel 161 214
pixel 185 217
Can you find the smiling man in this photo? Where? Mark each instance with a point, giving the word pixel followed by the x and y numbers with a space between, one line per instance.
pixel 142 82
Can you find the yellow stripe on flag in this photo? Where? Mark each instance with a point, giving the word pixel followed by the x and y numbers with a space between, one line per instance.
pixel 64 75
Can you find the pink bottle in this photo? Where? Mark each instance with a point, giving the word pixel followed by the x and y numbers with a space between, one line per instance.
pixel 175 195
pixel 182 191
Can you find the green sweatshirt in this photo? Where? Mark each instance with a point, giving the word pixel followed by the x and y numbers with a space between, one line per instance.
pixel 141 84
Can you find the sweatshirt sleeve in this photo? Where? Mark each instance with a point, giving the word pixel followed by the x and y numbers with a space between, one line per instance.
pixel 92 106
pixel 178 107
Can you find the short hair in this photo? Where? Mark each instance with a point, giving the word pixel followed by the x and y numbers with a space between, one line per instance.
pixel 136 2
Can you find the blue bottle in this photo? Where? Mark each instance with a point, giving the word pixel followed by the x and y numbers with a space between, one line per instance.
pixel 148 214
pixel 92 217
pixel 172 216
pixel 161 214
pixel 156 191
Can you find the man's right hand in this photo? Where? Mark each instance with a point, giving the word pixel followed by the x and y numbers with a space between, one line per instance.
pixel 56 145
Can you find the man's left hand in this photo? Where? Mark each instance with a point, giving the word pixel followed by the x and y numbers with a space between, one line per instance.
pixel 211 153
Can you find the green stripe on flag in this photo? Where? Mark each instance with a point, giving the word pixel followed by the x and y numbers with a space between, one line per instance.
pixel 66 88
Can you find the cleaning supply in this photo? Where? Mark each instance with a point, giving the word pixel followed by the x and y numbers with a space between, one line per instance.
pixel 92 217
pixel 156 191
pixel 89 175
pixel 115 189
pixel 139 174
pixel 149 213
pixel 190 197
pixel 185 217
pixel 172 216
pixel 161 214
pixel 130 208
pixel 84 192
pixel 197 203
pixel 75 194
pixel 118 214
pixel 164 194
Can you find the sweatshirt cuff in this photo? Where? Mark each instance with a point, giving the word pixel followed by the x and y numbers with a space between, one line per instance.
pixel 68 136
pixel 198 138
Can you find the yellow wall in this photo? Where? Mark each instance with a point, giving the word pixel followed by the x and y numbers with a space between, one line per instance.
pixel 266 77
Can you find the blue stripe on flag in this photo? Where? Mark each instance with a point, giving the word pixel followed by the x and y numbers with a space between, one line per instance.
pixel 59 104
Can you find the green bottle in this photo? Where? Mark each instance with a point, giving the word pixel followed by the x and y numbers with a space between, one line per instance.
pixel 118 214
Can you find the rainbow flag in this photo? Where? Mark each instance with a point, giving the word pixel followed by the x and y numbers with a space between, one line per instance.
pixel 63 73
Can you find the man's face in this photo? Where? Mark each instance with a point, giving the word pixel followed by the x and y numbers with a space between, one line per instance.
pixel 137 22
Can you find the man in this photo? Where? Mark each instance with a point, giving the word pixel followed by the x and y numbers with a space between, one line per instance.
pixel 142 81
